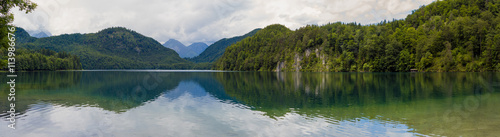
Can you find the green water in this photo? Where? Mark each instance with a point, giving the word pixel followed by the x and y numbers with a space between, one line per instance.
pixel 205 103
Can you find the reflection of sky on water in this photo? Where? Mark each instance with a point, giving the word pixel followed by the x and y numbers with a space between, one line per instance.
pixel 188 110
pixel 184 87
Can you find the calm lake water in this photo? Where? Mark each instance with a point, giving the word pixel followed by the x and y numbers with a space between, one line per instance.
pixel 201 103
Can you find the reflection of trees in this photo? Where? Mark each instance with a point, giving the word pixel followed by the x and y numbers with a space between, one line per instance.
pixel 34 82
pixel 114 91
pixel 414 99
pixel 417 99
pixel 48 80
pixel 120 91
pixel 111 90
pixel 262 90
pixel 211 85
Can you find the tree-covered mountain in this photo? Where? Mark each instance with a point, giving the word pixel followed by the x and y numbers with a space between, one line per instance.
pixel 446 35
pixel 22 36
pixel 113 48
pixel 42 59
pixel 214 51
pixel 186 51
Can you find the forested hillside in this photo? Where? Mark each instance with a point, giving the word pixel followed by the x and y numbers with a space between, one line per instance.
pixel 198 47
pixel 113 48
pixel 214 51
pixel 23 36
pixel 43 59
pixel 447 35
pixel 31 60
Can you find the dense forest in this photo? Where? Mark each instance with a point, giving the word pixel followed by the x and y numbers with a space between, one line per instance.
pixel 113 48
pixel 44 59
pixel 447 35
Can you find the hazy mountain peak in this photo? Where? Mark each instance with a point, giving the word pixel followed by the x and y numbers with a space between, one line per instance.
pixel 198 47
pixel 176 46
pixel 39 33
pixel 174 41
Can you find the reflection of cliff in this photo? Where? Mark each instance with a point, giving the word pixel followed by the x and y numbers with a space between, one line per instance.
pixel 416 99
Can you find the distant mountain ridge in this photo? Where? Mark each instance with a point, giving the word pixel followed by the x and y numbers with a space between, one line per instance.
pixel 198 47
pixel 215 51
pixel 174 45
pixel 186 51
pixel 40 33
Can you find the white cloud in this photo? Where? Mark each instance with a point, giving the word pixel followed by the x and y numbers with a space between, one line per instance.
pixel 204 20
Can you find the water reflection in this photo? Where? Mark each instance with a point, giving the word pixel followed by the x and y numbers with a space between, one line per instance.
pixel 152 103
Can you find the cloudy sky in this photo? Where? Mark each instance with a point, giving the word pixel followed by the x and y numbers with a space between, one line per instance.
pixel 203 20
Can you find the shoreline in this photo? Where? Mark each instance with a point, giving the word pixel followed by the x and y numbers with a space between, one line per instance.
pixel 201 70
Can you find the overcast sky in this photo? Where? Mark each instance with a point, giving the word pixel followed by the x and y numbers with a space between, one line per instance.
pixel 204 20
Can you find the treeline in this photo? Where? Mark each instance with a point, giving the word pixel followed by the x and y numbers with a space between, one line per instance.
pixel 448 35
pixel 44 59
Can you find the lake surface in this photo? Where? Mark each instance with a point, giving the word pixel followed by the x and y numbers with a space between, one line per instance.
pixel 205 103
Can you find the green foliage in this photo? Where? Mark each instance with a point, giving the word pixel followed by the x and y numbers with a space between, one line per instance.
pixel 22 36
pixel 447 35
pixel 406 61
pixel 256 52
pixel 113 48
pixel 7 17
pixel 29 60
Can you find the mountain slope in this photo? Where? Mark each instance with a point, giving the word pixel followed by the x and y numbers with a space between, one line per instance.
pixel 31 60
pixel 198 47
pixel 175 45
pixel 22 36
pixel 181 49
pixel 446 35
pixel 214 51
pixel 113 48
